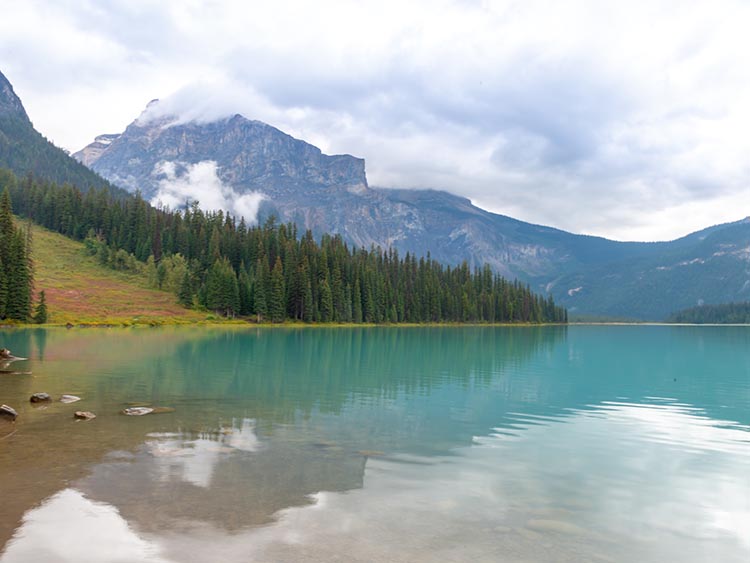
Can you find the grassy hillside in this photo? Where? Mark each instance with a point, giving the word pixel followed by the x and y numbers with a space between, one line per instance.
pixel 80 290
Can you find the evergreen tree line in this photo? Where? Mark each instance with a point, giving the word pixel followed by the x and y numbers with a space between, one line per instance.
pixel 16 269
pixel 269 271
pixel 725 313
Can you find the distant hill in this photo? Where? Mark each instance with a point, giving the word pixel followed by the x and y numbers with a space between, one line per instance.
pixel 725 313
pixel 24 150
pixel 711 266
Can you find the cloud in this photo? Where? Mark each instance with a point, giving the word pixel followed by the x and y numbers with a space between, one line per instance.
pixel 600 118
pixel 70 527
pixel 181 183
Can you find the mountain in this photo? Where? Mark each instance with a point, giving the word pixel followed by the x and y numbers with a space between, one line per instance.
pixel 711 266
pixel 159 154
pixel 331 194
pixel 24 150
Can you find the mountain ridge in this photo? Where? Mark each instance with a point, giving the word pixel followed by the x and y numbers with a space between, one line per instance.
pixel 252 156
pixel 330 193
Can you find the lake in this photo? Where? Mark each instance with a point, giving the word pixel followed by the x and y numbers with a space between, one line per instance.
pixel 579 443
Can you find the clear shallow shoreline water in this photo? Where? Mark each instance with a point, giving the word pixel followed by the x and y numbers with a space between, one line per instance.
pixel 611 443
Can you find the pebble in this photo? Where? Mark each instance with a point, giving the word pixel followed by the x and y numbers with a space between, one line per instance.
pixel 84 415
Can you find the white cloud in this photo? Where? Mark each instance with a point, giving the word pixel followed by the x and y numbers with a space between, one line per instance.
pixel 70 527
pixel 180 183
pixel 606 118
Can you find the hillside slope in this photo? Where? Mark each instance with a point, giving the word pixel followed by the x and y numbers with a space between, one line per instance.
pixel 79 290
pixel 712 266
pixel 25 151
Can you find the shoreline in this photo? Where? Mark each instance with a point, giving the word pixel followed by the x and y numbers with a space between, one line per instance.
pixel 234 323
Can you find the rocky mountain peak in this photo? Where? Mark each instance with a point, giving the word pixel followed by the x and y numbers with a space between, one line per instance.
pixel 10 103
pixel 248 156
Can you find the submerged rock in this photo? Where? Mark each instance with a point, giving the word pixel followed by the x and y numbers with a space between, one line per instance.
pixel 40 398
pixel 8 412
pixel 137 411
pixel 69 399
pixel 84 415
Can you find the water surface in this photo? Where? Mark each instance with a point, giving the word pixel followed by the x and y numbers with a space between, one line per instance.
pixel 380 444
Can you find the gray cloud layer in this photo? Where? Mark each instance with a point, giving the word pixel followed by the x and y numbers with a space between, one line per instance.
pixel 625 119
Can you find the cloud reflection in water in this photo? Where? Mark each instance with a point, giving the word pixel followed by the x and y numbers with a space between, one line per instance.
pixel 616 481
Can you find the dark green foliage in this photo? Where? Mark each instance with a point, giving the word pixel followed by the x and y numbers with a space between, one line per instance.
pixel 725 313
pixel 246 291
pixel 40 314
pixel 276 304
pixel 326 302
pixel 185 292
pixel 221 289
pixel 16 274
pixel 309 281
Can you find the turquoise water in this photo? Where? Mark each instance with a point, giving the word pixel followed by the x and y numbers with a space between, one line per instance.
pixel 581 443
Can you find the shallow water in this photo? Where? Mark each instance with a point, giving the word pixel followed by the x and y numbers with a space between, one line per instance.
pixel 380 444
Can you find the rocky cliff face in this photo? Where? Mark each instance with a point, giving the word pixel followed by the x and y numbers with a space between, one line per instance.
pixel 10 104
pixel 91 153
pixel 250 156
pixel 324 193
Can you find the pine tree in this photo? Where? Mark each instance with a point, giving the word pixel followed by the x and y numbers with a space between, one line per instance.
pixel 326 302
pixel 6 235
pixel 40 315
pixel 357 303
pixel 185 293
pixel 222 292
pixel 308 307
pixel 245 292
pixel 3 284
pixel 19 279
pixel 276 301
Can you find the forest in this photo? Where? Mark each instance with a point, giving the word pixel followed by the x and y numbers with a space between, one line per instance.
pixel 271 272
pixel 725 313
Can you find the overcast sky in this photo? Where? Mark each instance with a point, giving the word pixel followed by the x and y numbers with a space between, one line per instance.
pixel 627 119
